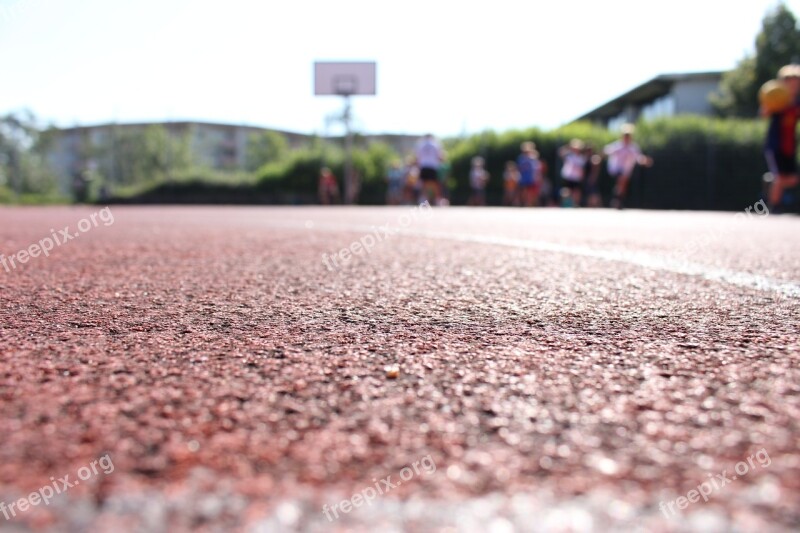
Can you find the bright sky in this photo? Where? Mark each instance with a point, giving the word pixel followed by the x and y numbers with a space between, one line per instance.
pixel 444 67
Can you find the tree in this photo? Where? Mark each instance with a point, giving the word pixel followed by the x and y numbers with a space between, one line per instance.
pixel 265 147
pixel 132 155
pixel 777 44
pixel 23 165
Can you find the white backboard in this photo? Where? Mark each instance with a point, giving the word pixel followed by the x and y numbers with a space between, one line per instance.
pixel 344 78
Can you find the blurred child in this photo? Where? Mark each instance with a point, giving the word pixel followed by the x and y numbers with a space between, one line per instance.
pixel 478 177
pixel 413 186
pixel 591 172
pixel 444 175
pixel 565 197
pixel 546 188
pixel 430 156
pixel 328 187
pixel 623 156
pixel 781 145
pixel 572 171
pixel 395 181
pixel 510 184
pixel 529 174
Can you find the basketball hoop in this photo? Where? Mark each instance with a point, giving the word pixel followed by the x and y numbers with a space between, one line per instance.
pixel 345 79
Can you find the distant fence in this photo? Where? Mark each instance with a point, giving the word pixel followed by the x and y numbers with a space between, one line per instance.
pixel 700 163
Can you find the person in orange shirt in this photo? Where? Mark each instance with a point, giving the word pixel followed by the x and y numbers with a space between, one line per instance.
pixel 781 145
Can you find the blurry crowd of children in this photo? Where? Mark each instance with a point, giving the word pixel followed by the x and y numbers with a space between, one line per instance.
pixel 526 181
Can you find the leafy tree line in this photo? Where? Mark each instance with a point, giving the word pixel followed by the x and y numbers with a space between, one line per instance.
pixel 23 158
pixel 776 45
pixel 114 158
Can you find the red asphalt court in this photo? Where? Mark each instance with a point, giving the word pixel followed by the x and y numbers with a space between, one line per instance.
pixel 233 369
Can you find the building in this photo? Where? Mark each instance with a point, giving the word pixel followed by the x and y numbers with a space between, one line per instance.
pixel 663 96
pixel 217 146
pixel 76 150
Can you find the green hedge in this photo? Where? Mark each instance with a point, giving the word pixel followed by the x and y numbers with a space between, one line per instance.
pixel 298 174
pixel 7 197
pixel 700 163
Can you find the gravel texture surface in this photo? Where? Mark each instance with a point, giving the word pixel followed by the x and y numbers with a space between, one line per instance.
pixel 547 370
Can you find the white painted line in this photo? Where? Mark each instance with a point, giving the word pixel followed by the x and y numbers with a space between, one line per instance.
pixel 675 265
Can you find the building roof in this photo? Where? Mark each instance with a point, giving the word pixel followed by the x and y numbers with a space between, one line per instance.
pixel 187 123
pixel 646 93
pixel 175 124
